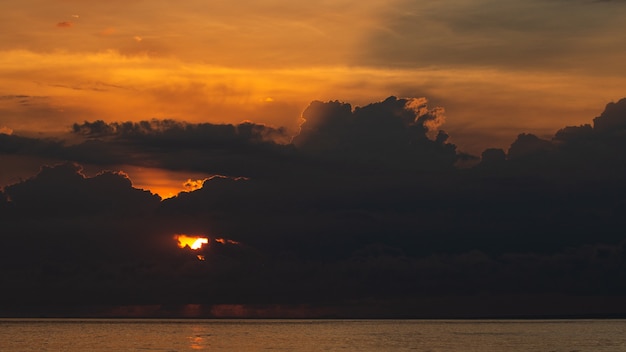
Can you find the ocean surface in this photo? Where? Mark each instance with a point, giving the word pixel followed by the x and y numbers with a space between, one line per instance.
pixel 83 335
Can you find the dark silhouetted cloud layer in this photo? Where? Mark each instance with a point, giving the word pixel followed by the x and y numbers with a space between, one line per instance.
pixel 364 209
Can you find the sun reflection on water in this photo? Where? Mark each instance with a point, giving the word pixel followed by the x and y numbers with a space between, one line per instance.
pixel 196 341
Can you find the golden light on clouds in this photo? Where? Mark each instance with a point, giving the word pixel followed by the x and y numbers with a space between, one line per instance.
pixel 165 183
pixel 226 241
pixel 214 63
pixel 5 130
pixel 66 87
pixel 192 185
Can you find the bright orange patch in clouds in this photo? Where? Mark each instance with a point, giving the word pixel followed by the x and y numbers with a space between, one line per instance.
pixel 197 242
pixel 192 185
pixel 193 242
pixel 165 183
pixel 5 130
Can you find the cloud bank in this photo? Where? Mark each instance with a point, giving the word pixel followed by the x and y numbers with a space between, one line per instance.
pixel 364 209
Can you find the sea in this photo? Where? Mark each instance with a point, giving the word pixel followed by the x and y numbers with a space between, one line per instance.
pixel 70 335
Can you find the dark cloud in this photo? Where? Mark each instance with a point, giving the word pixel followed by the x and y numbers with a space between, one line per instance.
pixel 65 24
pixel 64 191
pixel 18 97
pixel 612 118
pixel 245 149
pixel 529 145
pixel 597 151
pixel 365 209
pixel 14 144
pixel 180 134
pixel 493 156
pixel 390 132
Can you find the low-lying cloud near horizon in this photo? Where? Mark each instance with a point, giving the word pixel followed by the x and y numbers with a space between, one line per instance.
pixel 365 206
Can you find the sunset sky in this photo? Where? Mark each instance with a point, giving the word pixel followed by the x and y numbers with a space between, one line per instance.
pixel 498 68
pixel 329 141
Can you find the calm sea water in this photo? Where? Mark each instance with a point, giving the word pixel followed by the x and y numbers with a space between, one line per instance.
pixel 71 335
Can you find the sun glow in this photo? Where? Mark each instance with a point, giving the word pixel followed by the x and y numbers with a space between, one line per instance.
pixel 225 241
pixel 193 242
pixel 196 243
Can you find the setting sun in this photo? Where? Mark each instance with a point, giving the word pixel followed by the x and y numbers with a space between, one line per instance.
pixel 193 242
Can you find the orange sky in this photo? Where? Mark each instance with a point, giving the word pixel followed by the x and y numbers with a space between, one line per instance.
pixel 498 68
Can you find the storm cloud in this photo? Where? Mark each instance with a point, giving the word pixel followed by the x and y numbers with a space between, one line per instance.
pixel 364 208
